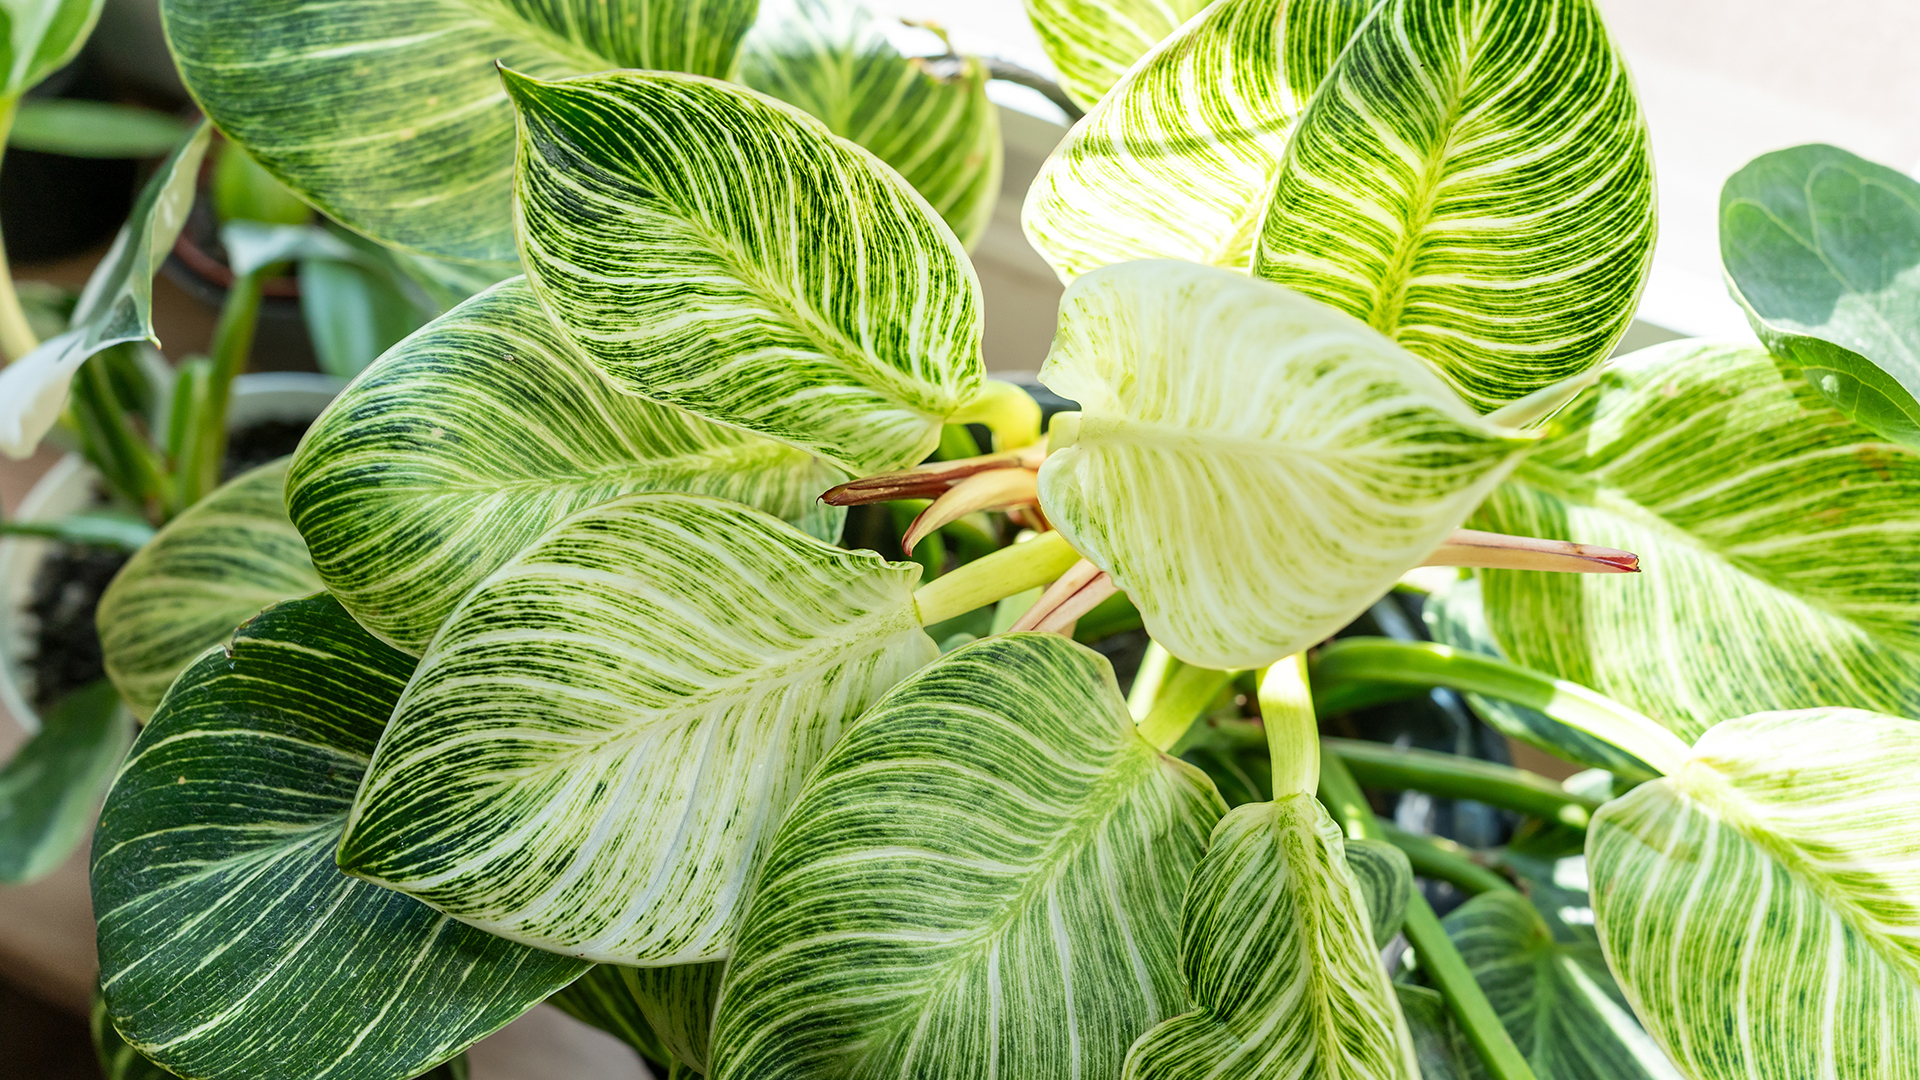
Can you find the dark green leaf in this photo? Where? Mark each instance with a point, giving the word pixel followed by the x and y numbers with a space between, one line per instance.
pixel 94 129
pixel 49 790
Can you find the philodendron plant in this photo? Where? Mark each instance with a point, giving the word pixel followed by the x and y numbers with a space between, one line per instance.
pixel 594 708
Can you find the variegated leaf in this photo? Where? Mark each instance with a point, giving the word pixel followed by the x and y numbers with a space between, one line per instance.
pixel 230 944
pixel 1438 1043
pixel 1178 160
pixel 461 446
pixel 1557 1000
pixel 1253 468
pixel 664 1012
pixel 1280 960
pixel 118 1061
pixel 37 38
pixel 929 118
pixel 1092 43
pixel 601 998
pixel 1475 181
pixel 1385 880
pixel 211 569
pixel 601 740
pixel 390 116
pixel 1773 535
pixel 51 786
pixel 714 249
pixel 981 879
pixel 1761 907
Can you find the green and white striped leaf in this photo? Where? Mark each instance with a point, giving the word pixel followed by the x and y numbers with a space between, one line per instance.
pixel 1761 907
pixel 212 568
pixel 1475 181
pixel 1092 43
pixel 230 944
pixel 390 116
pixel 1774 538
pixel 982 879
pixel 461 446
pixel 1178 160
pixel 601 740
pixel 601 998
pixel 714 249
pixel 1557 1000
pixel 1385 879
pixel 664 1012
pixel 1822 248
pixel 38 37
pixel 1253 468
pixel 1438 1043
pixel 118 1061
pixel 1280 961
pixel 52 785
pixel 929 118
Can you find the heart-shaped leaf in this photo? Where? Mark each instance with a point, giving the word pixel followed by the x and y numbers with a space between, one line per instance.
pixel 666 1013
pixel 1823 250
pixel 1556 999
pixel 600 742
pixel 1253 468
pixel 230 944
pixel 929 118
pixel 390 117
pixel 465 443
pixel 1178 160
pixel 711 248
pixel 1773 534
pixel 982 878
pixel 1280 960
pixel 49 790
pixel 37 38
pixel 1474 180
pixel 1761 906
pixel 1092 43
pixel 211 569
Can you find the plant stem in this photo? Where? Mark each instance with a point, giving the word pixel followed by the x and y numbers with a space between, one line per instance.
pixel 1181 702
pixel 1293 732
pixel 995 577
pixel 16 333
pixel 1155 666
pixel 1436 954
pixel 232 345
pixel 1454 777
pixel 1006 410
pixel 1426 664
pixel 1442 860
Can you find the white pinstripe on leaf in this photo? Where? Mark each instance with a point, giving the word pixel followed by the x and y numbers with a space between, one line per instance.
pixel 1093 42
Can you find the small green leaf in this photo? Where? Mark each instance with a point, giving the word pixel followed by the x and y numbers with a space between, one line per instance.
pixel 981 879
pixel 230 944
pixel 38 37
pixel 1474 180
pixel 98 528
pixel 1385 879
pixel 929 118
pixel 1557 1000
pixel 1822 248
pixel 1761 907
pixel 666 1013
pixel 1235 441
pixel 390 116
pixel 1280 961
pixel 244 191
pixel 353 314
pixel 1438 1043
pixel 118 1061
pixel 116 306
pixel 1177 162
pixel 460 447
pixel 49 790
pixel 96 129
pixel 604 998
pixel 1773 535
pixel 600 741
pixel 211 569
pixel 711 248
pixel 1092 43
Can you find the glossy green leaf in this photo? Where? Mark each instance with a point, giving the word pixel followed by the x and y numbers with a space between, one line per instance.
pixel 1200 387
pixel 97 528
pixel 711 248
pixel 1178 161
pixel 49 791
pixel 353 314
pixel 1385 879
pixel 230 944
pixel 1474 180
pixel 1092 43
pixel 929 118
pixel 981 879
pixel 601 740
pixel 211 569
pixel 1761 907
pixel 1557 1000
pixel 463 445
pixel 116 307
pixel 94 129
pixel 390 116
pixel 118 1061
pixel 664 1012
pixel 1774 537
pixel 1822 248
pixel 38 37
pixel 1438 1043
pixel 1280 961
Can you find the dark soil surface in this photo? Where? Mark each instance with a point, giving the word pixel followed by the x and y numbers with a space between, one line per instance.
pixel 257 444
